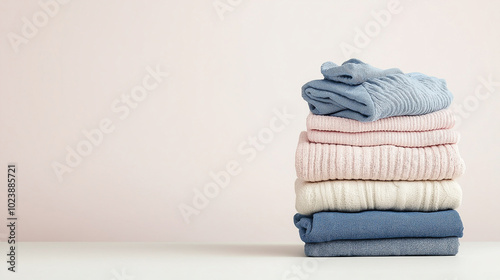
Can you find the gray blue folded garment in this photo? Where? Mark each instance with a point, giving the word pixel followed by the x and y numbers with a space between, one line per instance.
pixel 331 226
pixel 354 72
pixel 447 246
pixel 358 91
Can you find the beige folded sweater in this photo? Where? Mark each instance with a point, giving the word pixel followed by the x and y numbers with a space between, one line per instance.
pixel 377 138
pixel 355 196
pixel 443 119
pixel 320 162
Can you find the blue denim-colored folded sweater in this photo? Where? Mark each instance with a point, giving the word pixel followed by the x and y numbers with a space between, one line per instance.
pixel 330 226
pixel 446 246
pixel 358 91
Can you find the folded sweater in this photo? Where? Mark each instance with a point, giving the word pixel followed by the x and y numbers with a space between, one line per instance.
pixel 330 226
pixel 320 162
pixel 355 196
pixel 447 246
pixel 400 139
pixel 378 97
pixel 404 131
pixel 354 72
pixel 442 119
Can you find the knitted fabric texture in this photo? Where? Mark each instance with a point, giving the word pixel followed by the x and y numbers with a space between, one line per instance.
pixel 400 139
pixel 379 97
pixel 405 131
pixel 446 246
pixel 320 162
pixel 354 72
pixel 355 196
pixel 330 226
pixel 442 119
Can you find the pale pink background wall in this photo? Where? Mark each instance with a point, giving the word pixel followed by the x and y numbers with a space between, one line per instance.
pixel 226 76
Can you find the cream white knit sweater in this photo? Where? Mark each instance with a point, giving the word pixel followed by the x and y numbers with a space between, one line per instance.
pixel 354 196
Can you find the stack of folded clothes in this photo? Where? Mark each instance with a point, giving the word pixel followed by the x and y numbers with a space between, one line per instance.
pixel 377 164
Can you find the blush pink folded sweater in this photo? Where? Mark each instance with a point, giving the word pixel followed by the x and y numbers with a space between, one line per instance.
pixel 405 131
pixel 320 162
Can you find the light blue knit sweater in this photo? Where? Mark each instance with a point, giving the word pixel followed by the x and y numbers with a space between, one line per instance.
pixel 356 90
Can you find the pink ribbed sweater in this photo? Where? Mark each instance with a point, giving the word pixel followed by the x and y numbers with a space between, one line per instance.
pixel 319 162
pixel 405 131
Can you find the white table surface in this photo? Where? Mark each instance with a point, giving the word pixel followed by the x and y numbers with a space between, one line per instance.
pixel 127 261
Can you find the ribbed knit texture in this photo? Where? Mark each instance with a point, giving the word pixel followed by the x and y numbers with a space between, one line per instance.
pixel 442 119
pixel 355 196
pixel 404 131
pixel 320 162
pixel 447 246
pixel 394 95
pixel 376 138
